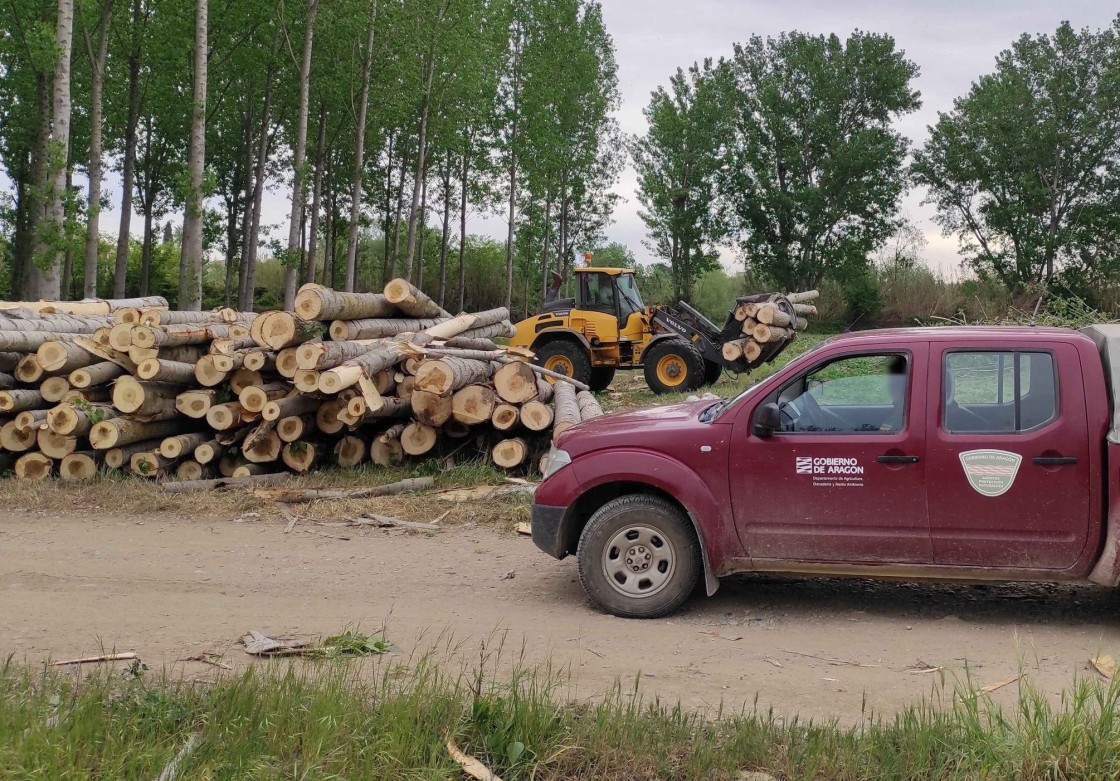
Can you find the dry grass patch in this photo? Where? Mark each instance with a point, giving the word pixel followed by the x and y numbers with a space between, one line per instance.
pixel 126 496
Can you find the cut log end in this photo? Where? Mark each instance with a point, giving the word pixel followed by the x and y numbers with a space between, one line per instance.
pixel 418 438
pixel 510 453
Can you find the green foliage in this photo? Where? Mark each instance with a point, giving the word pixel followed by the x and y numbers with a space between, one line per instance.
pixel 1025 171
pixel 815 172
pixel 325 720
pixel 678 163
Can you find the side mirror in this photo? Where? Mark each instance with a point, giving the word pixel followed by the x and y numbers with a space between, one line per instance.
pixel 767 420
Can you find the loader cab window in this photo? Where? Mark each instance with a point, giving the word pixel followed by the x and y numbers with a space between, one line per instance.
pixel 598 293
pixel 630 300
pixel 863 394
pixel 998 392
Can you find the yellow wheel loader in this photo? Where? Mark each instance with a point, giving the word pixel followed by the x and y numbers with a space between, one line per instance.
pixel 607 327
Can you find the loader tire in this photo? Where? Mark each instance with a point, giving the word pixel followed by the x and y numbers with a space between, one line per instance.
pixel 567 358
pixel 674 366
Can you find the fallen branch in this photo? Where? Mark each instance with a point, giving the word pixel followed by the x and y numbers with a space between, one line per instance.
pixel 123 657
pixel 198 486
pixel 833 662
pixel 471 766
pixel 297 496
pixel 549 373
pixel 388 521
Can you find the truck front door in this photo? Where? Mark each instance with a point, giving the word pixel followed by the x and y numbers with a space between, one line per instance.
pixel 1008 443
pixel 844 478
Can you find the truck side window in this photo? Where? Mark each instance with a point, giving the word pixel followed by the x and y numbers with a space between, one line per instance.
pixel 998 392
pixel 859 394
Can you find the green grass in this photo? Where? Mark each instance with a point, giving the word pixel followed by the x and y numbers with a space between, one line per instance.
pixel 390 720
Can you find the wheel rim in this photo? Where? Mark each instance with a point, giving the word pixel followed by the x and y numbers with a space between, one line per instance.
pixel 671 370
pixel 639 561
pixel 561 364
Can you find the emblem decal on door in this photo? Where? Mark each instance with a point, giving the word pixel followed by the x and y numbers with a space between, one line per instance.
pixel 990 472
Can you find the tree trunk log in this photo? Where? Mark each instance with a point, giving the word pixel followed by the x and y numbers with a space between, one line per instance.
pixel 183 444
pixel 159 370
pixel 567 409
pixel 195 403
pixel 589 408
pixel 63 356
pixel 301 456
pixel 505 417
pixel 96 374
pixel 411 300
pixel 431 409
pixel 447 375
pixel 349 451
pixel 418 439
pixel 124 431
pixel 510 453
pixel 13 401
pixel 278 330
pixel 54 445
pixel 33 466
pixel 473 404
pixel 318 303
pixel 536 415
pixel 287 406
pixel 516 382
pixel 379 328
pixel 296 427
pixel 78 420
pixel 79 466
pixel 255 397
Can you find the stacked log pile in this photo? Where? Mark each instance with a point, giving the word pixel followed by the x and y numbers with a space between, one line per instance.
pixel 344 378
pixel 768 323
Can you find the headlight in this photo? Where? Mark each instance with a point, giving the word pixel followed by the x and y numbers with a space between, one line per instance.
pixel 557 460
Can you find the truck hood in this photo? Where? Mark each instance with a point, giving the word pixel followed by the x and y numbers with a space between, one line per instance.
pixel 625 428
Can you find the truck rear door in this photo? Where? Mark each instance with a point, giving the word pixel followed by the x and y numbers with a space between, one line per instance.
pixel 1008 456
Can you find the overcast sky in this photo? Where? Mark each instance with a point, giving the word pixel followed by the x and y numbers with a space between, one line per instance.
pixel 952 41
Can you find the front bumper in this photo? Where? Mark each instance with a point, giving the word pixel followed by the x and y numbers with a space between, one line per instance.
pixel 547 523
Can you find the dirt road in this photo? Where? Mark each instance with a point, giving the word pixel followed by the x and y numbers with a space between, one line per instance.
pixel 171 588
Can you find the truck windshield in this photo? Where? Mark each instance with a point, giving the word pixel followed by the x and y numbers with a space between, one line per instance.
pixel 631 298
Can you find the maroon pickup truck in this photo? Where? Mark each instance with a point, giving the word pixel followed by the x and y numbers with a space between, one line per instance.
pixel 972 453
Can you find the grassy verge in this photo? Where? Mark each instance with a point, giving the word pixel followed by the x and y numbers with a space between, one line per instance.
pixel 332 720
pixel 121 496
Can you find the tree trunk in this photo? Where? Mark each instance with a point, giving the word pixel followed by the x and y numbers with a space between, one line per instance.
pixel 513 169
pixel 463 233
pixel 395 264
pixel 190 260
pixel 291 271
pixel 443 242
pixel 47 270
pixel 316 197
pixel 421 162
pixel 248 273
pixel 146 253
pixel 359 155
pixel 420 265
pixel 128 166
pixel 97 81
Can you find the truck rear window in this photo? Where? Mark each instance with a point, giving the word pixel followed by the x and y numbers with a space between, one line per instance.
pixel 998 392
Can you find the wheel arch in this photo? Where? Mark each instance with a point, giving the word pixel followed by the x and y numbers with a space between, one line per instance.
pixel 595 494
pixel 561 334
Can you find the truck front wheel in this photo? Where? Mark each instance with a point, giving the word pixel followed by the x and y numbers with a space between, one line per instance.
pixel 672 366
pixel 638 557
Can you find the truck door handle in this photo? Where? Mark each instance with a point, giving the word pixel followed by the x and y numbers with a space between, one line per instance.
pixel 1054 460
pixel 898 459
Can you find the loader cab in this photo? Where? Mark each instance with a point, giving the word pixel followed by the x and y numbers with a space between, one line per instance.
pixel 609 291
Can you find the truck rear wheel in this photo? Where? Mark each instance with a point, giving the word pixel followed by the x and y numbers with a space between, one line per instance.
pixel 639 557
pixel 672 366
pixel 567 358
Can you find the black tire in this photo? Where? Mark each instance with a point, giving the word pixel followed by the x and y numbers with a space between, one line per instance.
pixel 660 533
pixel 563 351
pixel 712 372
pixel 601 378
pixel 682 370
